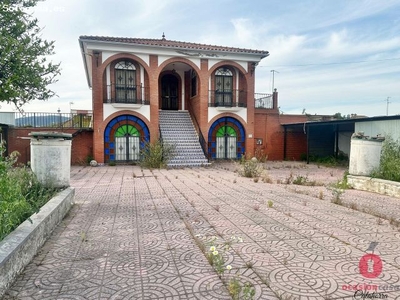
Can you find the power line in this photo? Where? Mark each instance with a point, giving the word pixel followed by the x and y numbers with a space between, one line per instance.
pixel 333 63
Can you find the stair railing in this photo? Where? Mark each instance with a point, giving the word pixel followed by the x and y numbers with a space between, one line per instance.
pixel 202 140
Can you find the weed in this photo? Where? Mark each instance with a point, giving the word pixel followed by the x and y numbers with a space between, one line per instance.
pixel 21 193
pixel 255 179
pixel 337 193
pixel 83 236
pixel 249 264
pixel 379 221
pixel 343 183
pixel 248 291
pixel 270 203
pixel 156 155
pixel 249 168
pixel 353 206
pixel 289 179
pixel 234 288
pixel 389 167
pixel 321 195
pixel 261 155
pixel 266 178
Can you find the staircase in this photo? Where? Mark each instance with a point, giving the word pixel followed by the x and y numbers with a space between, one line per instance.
pixel 177 129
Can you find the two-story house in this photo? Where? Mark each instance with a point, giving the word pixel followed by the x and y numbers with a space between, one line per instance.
pixel 144 89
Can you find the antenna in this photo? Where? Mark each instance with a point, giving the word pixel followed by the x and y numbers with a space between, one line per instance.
pixel 387 105
pixel 273 79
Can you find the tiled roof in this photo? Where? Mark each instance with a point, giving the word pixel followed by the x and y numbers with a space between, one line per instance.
pixel 173 44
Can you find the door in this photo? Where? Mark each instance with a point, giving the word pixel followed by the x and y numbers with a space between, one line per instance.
pixel 127 144
pixel 226 143
pixel 169 92
pixel 223 85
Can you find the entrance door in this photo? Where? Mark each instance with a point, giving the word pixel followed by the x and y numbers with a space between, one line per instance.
pixel 169 92
pixel 127 141
pixel 226 146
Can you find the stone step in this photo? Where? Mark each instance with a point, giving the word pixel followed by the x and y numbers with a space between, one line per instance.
pixel 177 129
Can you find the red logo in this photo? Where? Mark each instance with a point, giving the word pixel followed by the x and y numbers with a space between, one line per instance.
pixel 370 265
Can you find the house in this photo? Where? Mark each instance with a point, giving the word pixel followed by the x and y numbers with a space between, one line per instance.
pixel 144 89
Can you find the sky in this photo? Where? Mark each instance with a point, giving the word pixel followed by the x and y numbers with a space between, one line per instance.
pixel 329 55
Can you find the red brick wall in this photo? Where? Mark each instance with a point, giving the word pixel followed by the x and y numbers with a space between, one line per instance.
pixel 296 145
pixel 82 143
pixel 268 127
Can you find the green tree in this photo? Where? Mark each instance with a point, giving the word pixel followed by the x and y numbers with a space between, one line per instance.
pixel 25 71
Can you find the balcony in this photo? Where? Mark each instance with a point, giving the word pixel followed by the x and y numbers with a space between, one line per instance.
pixel 263 101
pixel 228 98
pixel 127 95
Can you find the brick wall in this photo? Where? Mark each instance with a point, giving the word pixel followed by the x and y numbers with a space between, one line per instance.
pixel 268 128
pixel 82 143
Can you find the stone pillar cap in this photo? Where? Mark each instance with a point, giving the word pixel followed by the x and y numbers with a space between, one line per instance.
pixel 51 135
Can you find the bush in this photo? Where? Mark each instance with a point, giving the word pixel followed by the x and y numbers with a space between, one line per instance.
pixel 249 168
pixel 21 194
pixel 156 155
pixel 389 167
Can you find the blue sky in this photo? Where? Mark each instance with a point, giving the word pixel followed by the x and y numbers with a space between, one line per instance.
pixel 331 55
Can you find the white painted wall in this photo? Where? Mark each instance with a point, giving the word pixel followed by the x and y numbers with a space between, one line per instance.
pixel 384 128
pixel 239 111
pixel 109 109
pixel 345 142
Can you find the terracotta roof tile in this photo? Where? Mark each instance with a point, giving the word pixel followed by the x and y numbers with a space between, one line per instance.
pixel 173 44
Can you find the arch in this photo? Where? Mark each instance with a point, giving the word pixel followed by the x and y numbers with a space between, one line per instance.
pixel 122 56
pixel 125 130
pixel 228 64
pixel 226 139
pixel 175 60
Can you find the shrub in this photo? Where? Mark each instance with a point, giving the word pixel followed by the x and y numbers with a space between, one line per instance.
pixel 389 167
pixel 250 169
pixel 21 194
pixel 156 155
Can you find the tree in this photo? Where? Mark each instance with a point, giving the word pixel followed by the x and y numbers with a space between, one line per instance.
pixel 25 72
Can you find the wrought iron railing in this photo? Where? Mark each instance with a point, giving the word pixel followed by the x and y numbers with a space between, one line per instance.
pixel 53 120
pixel 127 94
pixel 227 98
pixel 202 140
pixel 263 101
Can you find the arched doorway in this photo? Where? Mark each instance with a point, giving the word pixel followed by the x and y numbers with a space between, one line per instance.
pixel 169 92
pixel 124 137
pixel 226 139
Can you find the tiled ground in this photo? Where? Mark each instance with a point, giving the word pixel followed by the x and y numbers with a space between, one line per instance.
pixel 132 235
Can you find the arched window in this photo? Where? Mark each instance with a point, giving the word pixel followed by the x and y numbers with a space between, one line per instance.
pixel 223 87
pixel 125 82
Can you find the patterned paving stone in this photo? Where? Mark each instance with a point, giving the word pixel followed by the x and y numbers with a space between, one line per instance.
pixel 128 238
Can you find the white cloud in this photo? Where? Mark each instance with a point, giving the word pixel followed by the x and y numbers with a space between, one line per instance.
pixel 303 38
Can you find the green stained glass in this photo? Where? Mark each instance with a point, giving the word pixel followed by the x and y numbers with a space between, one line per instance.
pixel 125 130
pixel 226 131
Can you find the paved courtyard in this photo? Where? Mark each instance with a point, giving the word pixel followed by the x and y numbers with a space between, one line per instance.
pixel 139 234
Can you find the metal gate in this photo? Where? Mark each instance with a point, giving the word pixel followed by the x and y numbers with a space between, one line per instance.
pixel 127 148
pixel 226 147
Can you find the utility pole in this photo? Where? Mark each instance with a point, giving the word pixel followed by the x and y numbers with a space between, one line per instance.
pixel 273 79
pixel 387 105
